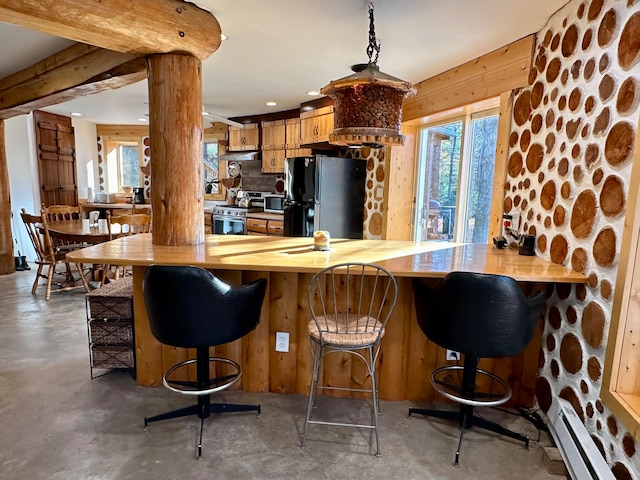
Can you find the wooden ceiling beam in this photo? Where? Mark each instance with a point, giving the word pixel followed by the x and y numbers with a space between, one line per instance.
pixel 74 72
pixel 140 27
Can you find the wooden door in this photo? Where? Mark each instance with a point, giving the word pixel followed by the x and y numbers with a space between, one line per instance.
pixel 55 146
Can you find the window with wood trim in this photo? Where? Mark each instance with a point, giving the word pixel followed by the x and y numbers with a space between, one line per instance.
pixel 214 171
pixel 456 159
pixel 123 166
pixel 621 380
pixel 210 159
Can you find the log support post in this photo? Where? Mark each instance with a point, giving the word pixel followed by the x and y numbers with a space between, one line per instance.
pixel 7 263
pixel 176 136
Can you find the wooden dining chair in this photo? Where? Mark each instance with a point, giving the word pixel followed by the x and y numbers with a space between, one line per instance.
pixel 130 224
pixel 56 213
pixel 139 208
pixel 50 255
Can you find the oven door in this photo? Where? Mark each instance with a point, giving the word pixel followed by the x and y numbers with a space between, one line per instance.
pixel 224 225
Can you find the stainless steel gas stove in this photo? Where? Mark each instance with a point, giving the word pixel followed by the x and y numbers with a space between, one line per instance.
pixel 231 219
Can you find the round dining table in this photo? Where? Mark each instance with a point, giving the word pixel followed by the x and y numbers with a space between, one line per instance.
pixel 82 231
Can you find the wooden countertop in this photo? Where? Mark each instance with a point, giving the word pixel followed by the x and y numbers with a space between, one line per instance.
pixel 266 216
pixel 295 254
pixel 88 206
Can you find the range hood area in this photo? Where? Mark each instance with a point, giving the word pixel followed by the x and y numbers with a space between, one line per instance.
pixel 240 156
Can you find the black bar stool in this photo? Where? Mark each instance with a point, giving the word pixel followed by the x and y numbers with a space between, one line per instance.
pixel 480 316
pixel 189 307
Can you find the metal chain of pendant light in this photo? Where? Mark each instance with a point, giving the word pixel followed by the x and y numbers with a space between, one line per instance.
pixel 374 45
pixel 368 104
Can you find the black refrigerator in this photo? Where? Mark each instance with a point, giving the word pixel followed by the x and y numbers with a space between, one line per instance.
pixel 324 193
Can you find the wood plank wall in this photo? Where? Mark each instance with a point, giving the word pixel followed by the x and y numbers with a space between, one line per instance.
pixel 492 75
pixel 485 77
pixel 405 362
pixel 400 173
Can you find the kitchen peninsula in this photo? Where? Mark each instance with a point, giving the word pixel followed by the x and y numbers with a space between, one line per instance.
pixel 289 263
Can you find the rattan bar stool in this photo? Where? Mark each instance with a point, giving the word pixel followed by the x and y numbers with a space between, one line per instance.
pixel 350 304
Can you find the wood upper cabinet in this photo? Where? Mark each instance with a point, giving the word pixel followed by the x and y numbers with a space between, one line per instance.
pixel 316 125
pixel 293 140
pixel 298 152
pixel 273 135
pixel 273 143
pixel 273 161
pixel 292 135
pixel 247 138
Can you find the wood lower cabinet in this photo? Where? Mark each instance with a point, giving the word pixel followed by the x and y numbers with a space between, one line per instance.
pixel 256 225
pixel 316 125
pixel 265 224
pixel 247 138
pixel 208 223
pixel 275 227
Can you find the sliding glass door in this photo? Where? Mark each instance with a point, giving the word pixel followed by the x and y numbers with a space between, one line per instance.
pixel 455 179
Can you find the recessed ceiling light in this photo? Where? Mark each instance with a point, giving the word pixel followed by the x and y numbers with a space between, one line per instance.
pixel 271 104
pixel 312 93
pixel 143 119
pixel 75 114
pixel 223 37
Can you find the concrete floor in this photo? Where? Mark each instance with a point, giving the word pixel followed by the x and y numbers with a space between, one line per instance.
pixel 57 423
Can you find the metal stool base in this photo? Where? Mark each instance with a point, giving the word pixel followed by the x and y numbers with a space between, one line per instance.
pixel 202 389
pixel 465 394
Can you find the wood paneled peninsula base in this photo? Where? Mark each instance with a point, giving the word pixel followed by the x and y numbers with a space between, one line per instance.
pixel 406 358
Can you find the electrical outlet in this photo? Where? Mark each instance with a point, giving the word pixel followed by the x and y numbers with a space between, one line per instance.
pixel 282 342
pixel 453 355
pixel 510 223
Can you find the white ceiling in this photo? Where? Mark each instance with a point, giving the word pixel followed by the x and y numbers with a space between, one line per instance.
pixel 280 49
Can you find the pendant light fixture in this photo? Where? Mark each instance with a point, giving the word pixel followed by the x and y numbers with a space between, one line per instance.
pixel 368 104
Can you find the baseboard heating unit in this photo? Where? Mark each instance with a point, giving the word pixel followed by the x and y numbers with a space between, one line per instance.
pixel 581 456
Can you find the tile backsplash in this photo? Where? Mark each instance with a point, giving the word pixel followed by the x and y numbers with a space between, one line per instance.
pixel 254 179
